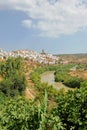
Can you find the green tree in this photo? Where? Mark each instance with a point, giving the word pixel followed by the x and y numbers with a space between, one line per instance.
pixel 14 82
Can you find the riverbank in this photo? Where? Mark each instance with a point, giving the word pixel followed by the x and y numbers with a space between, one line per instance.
pixel 48 77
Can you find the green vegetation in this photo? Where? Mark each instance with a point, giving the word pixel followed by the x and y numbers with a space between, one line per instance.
pixel 35 77
pixel 19 113
pixel 72 109
pixel 82 66
pixel 62 75
pixel 70 113
pixel 13 82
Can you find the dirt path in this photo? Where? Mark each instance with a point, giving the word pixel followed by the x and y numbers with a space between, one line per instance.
pixel 30 91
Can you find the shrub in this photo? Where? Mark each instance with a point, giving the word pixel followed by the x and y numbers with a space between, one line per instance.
pixel 72 109
pixel 19 114
pixel 73 82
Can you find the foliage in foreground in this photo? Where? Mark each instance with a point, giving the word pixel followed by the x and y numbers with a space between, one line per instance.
pixel 72 109
pixel 70 113
pixel 20 114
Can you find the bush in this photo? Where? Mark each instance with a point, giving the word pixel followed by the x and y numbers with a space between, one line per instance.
pixel 14 82
pixel 62 75
pixel 13 86
pixel 72 109
pixel 35 77
pixel 73 82
pixel 19 114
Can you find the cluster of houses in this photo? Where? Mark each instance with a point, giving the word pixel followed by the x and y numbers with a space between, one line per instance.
pixel 31 55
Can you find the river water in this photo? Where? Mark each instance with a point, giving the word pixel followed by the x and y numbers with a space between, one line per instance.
pixel 48 77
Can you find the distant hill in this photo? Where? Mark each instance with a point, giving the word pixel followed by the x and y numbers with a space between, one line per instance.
pixel 80 55
pixel 77 58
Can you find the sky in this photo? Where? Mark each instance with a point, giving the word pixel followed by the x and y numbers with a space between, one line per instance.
pixel 57 26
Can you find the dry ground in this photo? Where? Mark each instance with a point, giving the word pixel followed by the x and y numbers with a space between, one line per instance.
pixel 79 73
pixel 1 78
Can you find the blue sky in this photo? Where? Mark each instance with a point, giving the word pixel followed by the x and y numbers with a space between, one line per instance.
pixel 56 26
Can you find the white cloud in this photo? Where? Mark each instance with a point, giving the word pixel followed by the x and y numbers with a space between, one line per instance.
pixel 27 23
pixel 52 17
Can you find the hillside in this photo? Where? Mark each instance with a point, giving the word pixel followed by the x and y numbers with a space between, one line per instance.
pixel 74 58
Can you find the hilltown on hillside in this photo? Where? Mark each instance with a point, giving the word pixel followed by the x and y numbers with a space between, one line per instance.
pixel 31 55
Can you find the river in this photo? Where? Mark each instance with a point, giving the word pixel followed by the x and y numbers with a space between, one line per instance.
pixel 48 77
